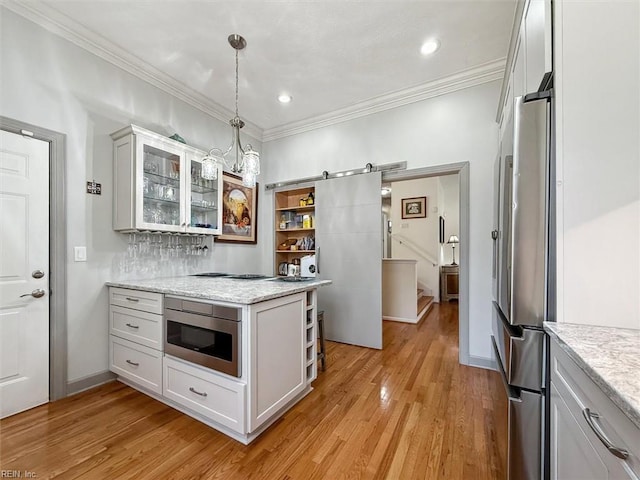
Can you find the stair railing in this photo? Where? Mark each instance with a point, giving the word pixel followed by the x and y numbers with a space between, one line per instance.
pixel 402 240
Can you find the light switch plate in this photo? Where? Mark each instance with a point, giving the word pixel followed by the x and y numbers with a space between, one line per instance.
pixel 80 254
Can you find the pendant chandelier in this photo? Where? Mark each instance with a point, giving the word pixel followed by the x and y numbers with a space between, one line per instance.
pixel 247 160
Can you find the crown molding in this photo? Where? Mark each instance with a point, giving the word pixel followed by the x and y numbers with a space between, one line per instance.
pixel 487 72
pixel 59 24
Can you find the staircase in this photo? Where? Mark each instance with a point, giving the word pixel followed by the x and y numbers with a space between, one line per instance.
pixel 425 302
pixel 404 298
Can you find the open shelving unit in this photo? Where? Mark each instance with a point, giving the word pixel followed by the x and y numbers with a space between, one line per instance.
pixel 311 335
pixel 289 213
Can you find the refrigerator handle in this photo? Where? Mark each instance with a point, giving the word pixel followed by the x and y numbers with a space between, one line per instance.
pixel 513 394
pixel 494 261
pixel 317 260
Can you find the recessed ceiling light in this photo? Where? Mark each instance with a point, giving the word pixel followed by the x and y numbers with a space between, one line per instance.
pixel 385 191
pixel 429 47
pixel 284 98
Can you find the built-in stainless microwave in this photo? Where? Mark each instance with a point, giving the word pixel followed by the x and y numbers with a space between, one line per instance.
pixel 203 333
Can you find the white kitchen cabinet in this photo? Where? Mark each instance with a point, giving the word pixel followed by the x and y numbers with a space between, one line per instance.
pixel 203 391
pixel 136 363
pixel 577 452
pixel 530 54
pixel 277 358
pixel 135 337
pixel 519 69
pixel 157 186
pixel 537 38
pixel 136 326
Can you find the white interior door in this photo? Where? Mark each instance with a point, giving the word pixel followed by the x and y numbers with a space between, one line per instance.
pixel 24 251
pixel 348 233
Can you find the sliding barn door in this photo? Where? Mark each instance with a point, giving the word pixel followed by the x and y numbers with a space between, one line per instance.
pixel 348 234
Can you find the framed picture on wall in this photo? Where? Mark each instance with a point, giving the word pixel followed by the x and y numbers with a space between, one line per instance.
pixel 441 229
pixel 239 211
pixel 414 207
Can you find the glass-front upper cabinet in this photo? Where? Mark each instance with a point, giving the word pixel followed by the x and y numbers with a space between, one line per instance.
pixel 157 185
pixel 204 212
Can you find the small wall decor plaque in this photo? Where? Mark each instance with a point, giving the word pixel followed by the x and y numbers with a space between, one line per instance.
pixel 94 188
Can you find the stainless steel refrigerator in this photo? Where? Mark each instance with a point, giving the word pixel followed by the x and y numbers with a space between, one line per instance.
pixel 524 283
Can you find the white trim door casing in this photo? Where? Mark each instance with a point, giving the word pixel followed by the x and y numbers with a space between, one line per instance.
pixel 24 293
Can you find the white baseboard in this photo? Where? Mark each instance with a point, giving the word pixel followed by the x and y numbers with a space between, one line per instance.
pixel 401 319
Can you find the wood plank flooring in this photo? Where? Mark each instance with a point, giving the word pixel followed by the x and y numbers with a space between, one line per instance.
pixel 406 412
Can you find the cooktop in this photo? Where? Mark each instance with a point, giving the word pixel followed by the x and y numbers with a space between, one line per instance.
pixel 240 276
pixel 248 276
pixel 210 274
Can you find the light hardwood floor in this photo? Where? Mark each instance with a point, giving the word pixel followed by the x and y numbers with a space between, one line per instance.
pixel 408 411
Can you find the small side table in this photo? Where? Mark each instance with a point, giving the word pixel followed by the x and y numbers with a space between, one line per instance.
pixel 449 282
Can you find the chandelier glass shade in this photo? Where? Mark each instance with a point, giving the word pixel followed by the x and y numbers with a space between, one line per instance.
pixel 247 160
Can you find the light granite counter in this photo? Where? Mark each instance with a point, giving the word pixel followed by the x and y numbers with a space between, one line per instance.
pixel 609 356
pixel 221 288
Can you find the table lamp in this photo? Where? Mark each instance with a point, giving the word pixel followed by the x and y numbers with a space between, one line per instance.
pixel 453 240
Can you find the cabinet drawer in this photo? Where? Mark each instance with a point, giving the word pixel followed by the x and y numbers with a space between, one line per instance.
pixel 136 299
pixel 140 364
pixel 136 326
pixel 580 392
pixel 211 395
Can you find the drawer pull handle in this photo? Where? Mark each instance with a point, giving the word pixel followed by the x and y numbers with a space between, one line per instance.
pixel 132 299
pixel 133 363
pixel 133 326
pixel 193 390
pixel 589 416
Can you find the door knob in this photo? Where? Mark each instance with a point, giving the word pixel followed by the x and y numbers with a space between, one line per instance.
pixel 37 274
pixel 37 293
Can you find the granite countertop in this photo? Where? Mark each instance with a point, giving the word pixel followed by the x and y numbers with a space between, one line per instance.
pixel 221 288
pixel 609 356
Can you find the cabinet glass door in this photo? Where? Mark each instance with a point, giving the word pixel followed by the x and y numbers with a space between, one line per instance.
pixel 161 192
pixel 203 206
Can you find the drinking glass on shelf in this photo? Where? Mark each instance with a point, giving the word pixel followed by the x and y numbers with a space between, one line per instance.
pixel 175 216
pixel 175 170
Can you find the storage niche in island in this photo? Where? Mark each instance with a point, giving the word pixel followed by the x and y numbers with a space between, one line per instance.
pixel 277 354
pixel 158 186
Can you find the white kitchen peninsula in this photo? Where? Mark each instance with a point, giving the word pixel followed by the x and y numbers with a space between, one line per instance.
pixel 277 357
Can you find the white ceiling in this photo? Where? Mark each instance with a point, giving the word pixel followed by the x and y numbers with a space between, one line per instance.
pixel 330 55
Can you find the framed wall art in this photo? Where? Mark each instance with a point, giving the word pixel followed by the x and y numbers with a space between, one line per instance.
pixel 414 207
pixel 239 211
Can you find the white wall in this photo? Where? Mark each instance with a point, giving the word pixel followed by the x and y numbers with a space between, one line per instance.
pixel 458 127
pixel 420 232
pixel 451 212
pixel 49 82
pixel 598 157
